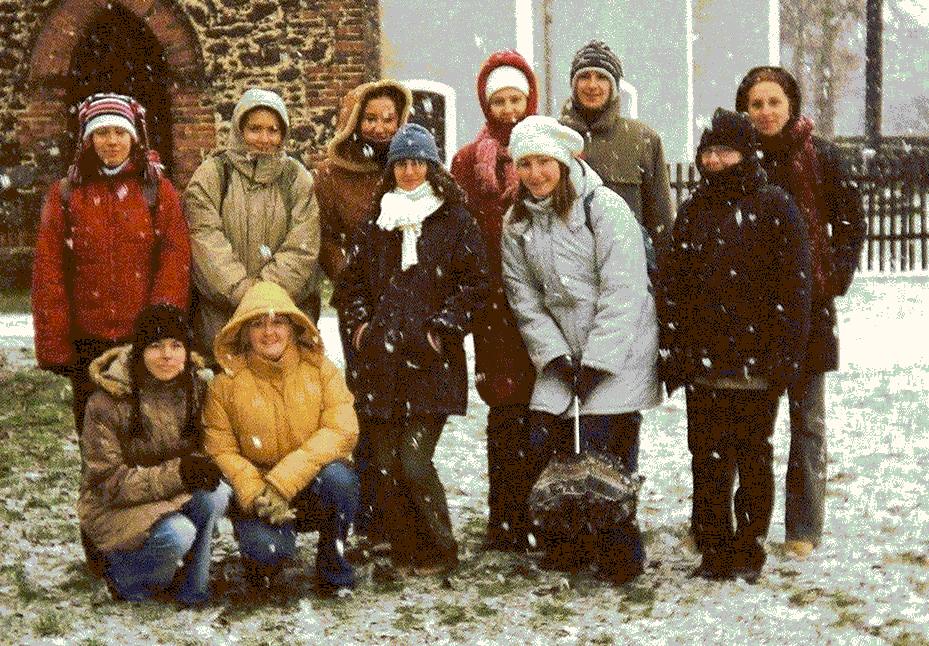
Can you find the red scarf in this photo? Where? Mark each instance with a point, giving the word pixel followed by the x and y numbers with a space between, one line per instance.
pixel 490 153
pixel 806 186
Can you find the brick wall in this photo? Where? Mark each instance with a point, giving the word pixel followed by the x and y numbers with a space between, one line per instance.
pixel 310 51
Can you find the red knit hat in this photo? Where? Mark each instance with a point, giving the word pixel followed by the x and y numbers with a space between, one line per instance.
pixel 101 110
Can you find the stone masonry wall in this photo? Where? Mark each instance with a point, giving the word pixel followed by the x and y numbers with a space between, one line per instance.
pixel 311 51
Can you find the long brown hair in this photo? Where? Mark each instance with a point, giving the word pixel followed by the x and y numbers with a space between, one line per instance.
pixel 441 181
pixel 562 197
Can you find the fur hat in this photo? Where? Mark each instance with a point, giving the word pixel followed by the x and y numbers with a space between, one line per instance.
pixel 596 55
pixel 102 110
pixel 775 75
pixel 506 76
pixel 731 129
pixel 412 141
pixel 540 135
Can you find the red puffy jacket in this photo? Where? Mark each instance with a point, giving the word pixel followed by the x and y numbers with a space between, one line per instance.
pixel 118 259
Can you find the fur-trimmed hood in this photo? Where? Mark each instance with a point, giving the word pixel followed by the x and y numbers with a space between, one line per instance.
pixel 110 371
pixel 344 148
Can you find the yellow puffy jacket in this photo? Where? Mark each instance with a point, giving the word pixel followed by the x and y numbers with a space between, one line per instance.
pixel 275 422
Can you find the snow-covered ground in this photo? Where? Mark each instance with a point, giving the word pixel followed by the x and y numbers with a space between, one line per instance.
pixel 867 584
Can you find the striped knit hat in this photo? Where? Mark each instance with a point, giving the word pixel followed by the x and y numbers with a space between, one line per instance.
pixel 102 110
pixel 597 55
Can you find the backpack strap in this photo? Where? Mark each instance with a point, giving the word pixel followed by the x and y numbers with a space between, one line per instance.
pixel 151 192
pixel 651 257
pixel 223 171
pixel 285 182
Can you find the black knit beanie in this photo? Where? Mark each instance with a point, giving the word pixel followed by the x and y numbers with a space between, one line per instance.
pixel 160 321
pixel 775 75
pixel 731 129
pixel 156 322
pixel 597 55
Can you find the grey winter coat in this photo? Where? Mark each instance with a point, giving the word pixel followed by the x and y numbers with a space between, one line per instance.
pixel 583 292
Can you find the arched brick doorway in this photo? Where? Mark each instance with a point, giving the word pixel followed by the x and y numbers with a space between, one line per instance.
pixel 119 53
pixel 63 69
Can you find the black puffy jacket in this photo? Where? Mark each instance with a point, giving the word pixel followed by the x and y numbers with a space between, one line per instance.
pixel 735 290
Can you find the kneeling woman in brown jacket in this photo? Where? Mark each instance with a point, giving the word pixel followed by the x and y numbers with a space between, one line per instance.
pixel 148 501
pixel 280 424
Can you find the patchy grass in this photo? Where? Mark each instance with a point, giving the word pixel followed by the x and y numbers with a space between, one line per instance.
pixel 805 597
pixel 908 558
pixel 408 617
pixel 15 301
pixel 50 623
pixel 26 590
pixel 451 614
pixel 553 611
pixel 848 618
pixel 910 639
pixel 481 609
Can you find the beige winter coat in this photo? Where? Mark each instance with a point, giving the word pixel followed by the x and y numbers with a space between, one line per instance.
pixel 129 481
pixel 248 235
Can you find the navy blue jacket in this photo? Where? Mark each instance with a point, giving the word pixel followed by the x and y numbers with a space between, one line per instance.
pixel 398 372
pixel 735 288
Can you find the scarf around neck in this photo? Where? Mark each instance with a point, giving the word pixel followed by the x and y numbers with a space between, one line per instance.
pixel 807 190
pixel 405 211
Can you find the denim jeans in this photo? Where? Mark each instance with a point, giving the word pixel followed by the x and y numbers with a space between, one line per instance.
pixel 805 500
pixel 616 550
pixel 328 505
pixel 179 540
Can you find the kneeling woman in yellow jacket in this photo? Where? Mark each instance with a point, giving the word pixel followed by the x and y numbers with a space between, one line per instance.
pixel 280 424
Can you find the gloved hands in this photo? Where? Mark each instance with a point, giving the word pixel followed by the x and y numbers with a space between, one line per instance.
pixel 199 472
pixel 272 507
pixel 587 380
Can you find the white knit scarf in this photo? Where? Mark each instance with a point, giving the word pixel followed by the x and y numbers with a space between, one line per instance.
pixel 406 211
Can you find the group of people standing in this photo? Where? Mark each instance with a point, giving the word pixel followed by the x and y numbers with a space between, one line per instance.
pixel 553 242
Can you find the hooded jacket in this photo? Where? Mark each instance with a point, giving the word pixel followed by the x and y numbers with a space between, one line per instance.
pixel 629 157
pixel 735 306
pixel 275 422
pixel 583 292
pixel 503 370
pixel 347 179
pixel 118 258
pixel 247 235
pixel 129 482
pixel 814 173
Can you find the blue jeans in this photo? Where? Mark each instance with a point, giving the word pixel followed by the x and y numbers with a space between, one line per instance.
pixel 174 539
pixel 621 548
pixel 328 504
pixel 805 500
